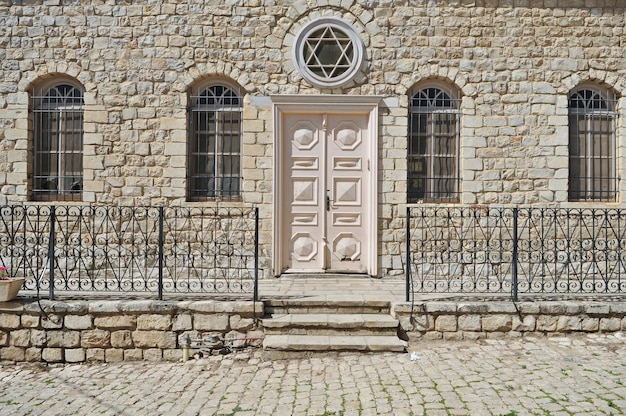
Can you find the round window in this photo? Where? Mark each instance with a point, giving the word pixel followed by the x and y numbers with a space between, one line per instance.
pixel 328 52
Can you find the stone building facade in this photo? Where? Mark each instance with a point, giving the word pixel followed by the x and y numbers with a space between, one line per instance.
pixel 345 112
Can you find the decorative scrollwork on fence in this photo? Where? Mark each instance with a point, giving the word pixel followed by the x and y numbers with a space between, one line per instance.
pixel 131 249
pixel 521 250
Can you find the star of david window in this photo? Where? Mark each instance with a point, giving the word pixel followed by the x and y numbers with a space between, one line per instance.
pixel 328 52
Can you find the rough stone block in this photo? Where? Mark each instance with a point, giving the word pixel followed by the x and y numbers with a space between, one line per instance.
pixel 182 322
pixel 610 324
pixel 20 338
pixel 137 306
pixel 497 323
pixel 453 336
pixel 116 322
pixel 172 355
pixel 12 354
pixel 202 322
pixel 618 308
pixel 469 323
pixel 79 322
pixel 52 322
pixel 52 355
pixel 63 339
pixel 241 324
pixel 30 321
pixel 476 308
pixel 597 309
pixel 122 339
pixel 590 324
pixel 569 324
pixel 154 322
pixel 153 354
pixel 546 323
pixel 9 321
pixel 33 354
pixel 434 335
pixel 101 307
pixel 202 306
pixel 4 339
pixel 528 323
pixel 552 308
pixel 75 355
pixel 38 337
pixel 133 355
pixel 113 355
pixel 473 335
pixel 446 323
pixel 95 338
pixel 154 339
pixel 95 354
pixel 529 308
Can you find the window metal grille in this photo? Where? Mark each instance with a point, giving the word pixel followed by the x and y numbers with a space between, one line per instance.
pixel 592 167
pixel 215 144
pixel 57 172
pixel 433 172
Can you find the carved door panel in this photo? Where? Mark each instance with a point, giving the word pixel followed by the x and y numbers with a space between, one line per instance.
pixel 324 192
pixel 347 192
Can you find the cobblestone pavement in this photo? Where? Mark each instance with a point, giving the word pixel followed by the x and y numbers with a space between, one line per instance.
pixel 575 375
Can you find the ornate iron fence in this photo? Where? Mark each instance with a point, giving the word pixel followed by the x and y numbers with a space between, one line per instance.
pixel 515 250
pixel 132 249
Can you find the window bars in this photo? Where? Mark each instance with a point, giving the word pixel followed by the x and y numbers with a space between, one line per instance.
pixel 215 144
pixel 57 161
pixel 433 171
pixel 592 167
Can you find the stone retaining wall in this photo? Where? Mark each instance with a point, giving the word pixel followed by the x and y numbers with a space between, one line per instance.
pixel 473 320
pixel 111 331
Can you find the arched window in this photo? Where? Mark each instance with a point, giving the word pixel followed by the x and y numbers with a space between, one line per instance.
pixel 57 146
pixel 592 167
pixel 214 143
pixel 433 146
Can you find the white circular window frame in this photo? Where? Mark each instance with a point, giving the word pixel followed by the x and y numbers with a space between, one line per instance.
pixel 308 30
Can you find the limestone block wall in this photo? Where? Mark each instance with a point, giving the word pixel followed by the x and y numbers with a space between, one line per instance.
pixel 513 64
pixel 480 319
pixel 108 331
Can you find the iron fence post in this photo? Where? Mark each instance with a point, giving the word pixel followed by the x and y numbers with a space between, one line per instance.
pixel 408 253
pixel 514 256
pixel 51 252
pixel 161 253
pixel 256 256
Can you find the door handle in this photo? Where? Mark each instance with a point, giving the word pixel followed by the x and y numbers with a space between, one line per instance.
pixel 328 200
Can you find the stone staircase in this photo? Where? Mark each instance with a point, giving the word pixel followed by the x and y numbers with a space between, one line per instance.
pixel 322 325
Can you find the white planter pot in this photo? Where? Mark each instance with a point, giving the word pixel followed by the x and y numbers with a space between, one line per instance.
pixel 9 289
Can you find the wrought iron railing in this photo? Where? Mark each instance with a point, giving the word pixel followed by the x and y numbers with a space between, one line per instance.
pixel 515 250
pixel 132 249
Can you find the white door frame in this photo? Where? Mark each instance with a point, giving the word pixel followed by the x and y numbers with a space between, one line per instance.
pixel 329 104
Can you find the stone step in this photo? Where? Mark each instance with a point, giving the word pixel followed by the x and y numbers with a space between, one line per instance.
pixel 318 305
pixel 325 343
pixel 331 324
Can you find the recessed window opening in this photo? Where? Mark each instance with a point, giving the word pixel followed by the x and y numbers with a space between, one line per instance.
pixel 215 144
pixel 433 171
pixel 592 165
pixel 57 143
